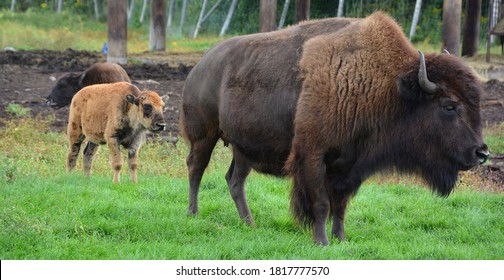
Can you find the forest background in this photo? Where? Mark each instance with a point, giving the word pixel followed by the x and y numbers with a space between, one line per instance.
pixel 246 14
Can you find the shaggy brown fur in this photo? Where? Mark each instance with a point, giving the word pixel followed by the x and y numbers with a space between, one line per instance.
pixel 113 114
pixel 361 110
pixel 99 73
pixel 333 101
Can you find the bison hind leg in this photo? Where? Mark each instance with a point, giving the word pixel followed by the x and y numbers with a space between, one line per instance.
pixel 197 161
pixel 89 153
pixel 75 141
pixel 235 177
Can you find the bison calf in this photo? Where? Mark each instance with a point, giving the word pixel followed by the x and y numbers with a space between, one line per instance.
pixel 113 114
pixel 68 85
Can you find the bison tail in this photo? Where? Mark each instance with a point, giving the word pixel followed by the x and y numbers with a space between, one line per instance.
pixel 301 202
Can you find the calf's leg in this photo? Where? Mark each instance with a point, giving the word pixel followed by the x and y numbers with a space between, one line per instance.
pixel 235 177
pixel 132 163
pixel 74 140
pixel 89 154
pixel 133 151
pixel 115 158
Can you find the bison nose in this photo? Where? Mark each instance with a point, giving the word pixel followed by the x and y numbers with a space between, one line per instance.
pixel 160 126
pixel 482 154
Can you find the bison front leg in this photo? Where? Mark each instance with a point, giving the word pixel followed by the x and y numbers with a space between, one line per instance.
pixel 235 177
pixel 115 158
pixel 338 204
pixel 133 151
pixel 310 200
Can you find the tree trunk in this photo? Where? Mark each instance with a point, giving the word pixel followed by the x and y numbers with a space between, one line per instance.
pixel 183 14
pixel 13 5
pixel 302 10
pixel 452 10
pixel 225 26
pixel 60 6
pixel 157 35
pixel 170 13
pixel 416 16
pixel 117 31
pixel 96 9
pixel 130 10
pixel 340 8
pixel 470 40
pixel 144 7
pixel 198 24
pixel 205 17
pixel 284 14
pixel 268 10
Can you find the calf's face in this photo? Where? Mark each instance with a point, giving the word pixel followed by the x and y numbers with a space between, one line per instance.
pixel 66 87
pixel 150 110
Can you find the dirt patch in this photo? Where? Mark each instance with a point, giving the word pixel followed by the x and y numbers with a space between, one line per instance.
pixel 28 76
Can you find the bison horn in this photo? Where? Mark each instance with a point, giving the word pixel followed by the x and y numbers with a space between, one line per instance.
pixel 424 82
pixel 446 51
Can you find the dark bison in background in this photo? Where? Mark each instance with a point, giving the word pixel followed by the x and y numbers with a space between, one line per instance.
pixel 331 102
pixel 99 73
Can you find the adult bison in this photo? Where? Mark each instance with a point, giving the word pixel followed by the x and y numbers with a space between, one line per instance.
pixel 333 101
pixel 68 85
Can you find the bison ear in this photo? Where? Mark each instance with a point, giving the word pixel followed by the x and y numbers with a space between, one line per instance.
pixel 132 99
pixel 408 87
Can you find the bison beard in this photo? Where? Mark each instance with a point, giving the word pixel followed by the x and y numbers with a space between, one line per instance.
pixel 331 101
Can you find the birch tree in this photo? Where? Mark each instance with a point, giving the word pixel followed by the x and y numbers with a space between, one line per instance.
pixel 183 14
pixel 142 13
pixel 170 13
pixel 60 6
pixel 230 13
pixel 284 14
pixel 13 5
pixel 340 8
pixel 416 16
pixel 96 9
pixel 202 13
pixel 130 9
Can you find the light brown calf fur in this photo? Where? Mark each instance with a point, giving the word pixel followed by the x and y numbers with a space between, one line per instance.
pixel 113 114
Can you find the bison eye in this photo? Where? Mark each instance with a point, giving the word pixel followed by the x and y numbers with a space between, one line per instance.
pixel 450 108
pixel 147 109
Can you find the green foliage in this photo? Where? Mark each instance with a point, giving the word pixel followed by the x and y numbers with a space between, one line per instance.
pixel 36 25
pixel 17 110
pixel 494 137
pixel 48 214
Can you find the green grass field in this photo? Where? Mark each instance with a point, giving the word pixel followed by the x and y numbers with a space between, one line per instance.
pixel 31 30
pixel 48 214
